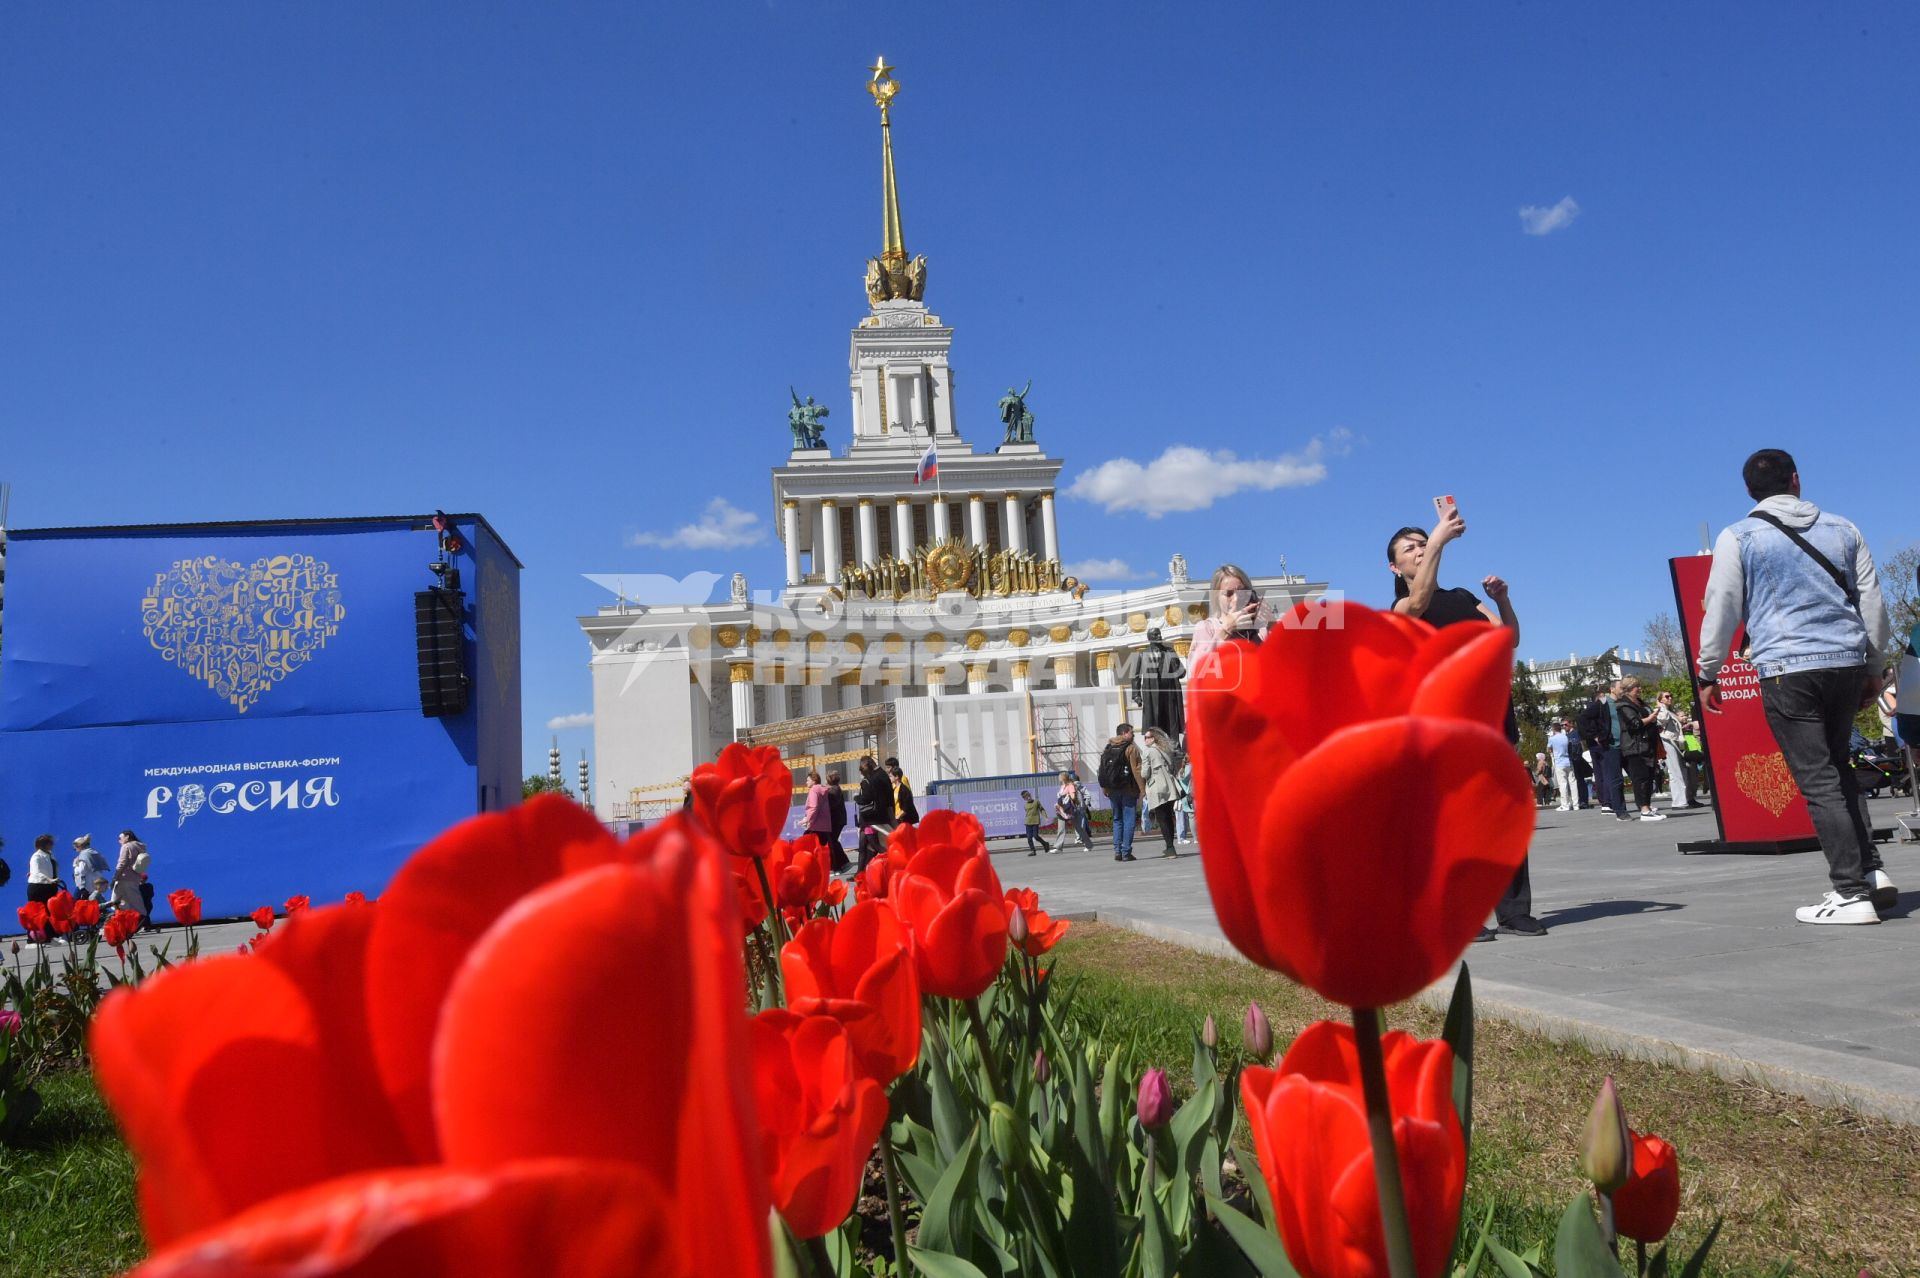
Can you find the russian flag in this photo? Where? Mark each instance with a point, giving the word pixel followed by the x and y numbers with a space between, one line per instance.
pixel 929 466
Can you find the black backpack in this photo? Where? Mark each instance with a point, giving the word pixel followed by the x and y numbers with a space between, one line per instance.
pixel 1115 772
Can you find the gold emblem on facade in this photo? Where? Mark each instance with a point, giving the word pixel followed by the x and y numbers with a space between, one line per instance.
pixel 1137 622
pixel 727 636
pixel 1060 634
pixel 240 629
pixel 1018 638
pixel 1099 629
pixel 1173 614
pixel 976 640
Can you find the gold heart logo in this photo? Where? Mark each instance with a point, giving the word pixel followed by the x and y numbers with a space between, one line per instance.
pixel 1764 779
pixel 240 630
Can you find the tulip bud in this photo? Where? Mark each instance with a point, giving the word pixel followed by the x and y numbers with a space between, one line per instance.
pixel 1155 1100
pixel 1210 1032
pixel 1606 1150
pixel 1017 926
pixel 1003 1126
pixel 1042 1070
pixel 1256 1034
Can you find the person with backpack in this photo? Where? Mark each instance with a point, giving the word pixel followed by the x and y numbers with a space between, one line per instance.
pixel 1070 811
pixel 1818 635
pixel 1121 782
pixel 874 804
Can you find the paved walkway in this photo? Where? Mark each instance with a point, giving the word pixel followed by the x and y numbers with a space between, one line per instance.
pixel 1694 960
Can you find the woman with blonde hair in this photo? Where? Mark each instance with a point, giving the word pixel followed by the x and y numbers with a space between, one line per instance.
pixel 1639 742
pixel 1161 787
pixel 1234 611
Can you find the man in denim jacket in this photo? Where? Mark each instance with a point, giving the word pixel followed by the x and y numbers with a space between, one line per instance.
pixel 1818 645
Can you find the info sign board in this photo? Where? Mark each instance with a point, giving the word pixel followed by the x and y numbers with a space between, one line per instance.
pixel 1755 800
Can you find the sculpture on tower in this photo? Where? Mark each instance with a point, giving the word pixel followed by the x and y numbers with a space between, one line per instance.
pixel 804 421
pixel 891 277
pixel 1015 413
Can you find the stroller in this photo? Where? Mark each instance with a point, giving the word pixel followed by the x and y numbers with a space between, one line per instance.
pixel 1879 765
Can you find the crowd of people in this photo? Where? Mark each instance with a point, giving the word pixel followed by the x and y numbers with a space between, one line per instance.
pixel 122 884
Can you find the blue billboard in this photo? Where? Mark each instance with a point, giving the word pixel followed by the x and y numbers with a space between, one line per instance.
pixel 245 698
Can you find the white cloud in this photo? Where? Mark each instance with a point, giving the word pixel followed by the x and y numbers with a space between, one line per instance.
pixel 1535 220
pixel 1102 570
pixel 1185 478
pixel 561 722
pixel 723 526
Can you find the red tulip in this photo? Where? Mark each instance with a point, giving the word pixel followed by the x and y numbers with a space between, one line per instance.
pixel 951 901
pixel 1644 1208
pixel 298 905
pixel 819 1116
pixel 751 900
pixel 354 898
pixel 881 872
pixel 60 912
pixel 1043 931
pixel 798 872
pixel 1365 900
pixel 86 912
pixel 263 918
pixel 859 970
pixel 122 925
pixel 445 1027
pixel 743 797
pixel 836 893
pixel 33 918
pixel 1310 1131
pixel 186 906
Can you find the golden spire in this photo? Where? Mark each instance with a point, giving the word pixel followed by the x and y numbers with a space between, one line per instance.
pixel 883 87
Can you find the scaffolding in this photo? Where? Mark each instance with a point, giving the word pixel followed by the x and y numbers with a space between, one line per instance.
pixel 1056 737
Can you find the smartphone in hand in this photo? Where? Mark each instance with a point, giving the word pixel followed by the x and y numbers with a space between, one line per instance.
pixel 1444 506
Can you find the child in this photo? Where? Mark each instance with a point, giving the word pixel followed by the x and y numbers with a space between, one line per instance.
pixel 1035 815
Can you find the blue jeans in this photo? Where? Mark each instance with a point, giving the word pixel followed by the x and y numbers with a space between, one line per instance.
pixel 1613 786
pixel 1126 814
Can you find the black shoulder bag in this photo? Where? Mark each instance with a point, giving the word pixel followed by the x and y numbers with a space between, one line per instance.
pixel 1813 553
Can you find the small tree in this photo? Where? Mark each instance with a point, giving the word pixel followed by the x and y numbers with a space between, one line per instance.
pixel 537 784
pixel 1900 589
pixel 1583 680
pixel 1665 644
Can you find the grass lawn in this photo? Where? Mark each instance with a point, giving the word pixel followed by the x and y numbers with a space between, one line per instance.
pixel 1827 1189
pixel 66 1198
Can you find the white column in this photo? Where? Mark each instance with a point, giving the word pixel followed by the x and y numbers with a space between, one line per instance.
pixel 869 532
pixel 941 531
pixel 810 702
pixel 1103 668
pixel 1022 676
pixel 740 678
pixel 830 527
pixel 977 672
pixel 1049 532
pixel 903 528
pixel 977 518
pixel 1015 536
pixel 1064 674
pixel 936 681
pixel 790 521
pixel 920 400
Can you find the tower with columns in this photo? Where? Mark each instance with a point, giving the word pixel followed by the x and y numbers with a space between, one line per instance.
pixel 931 620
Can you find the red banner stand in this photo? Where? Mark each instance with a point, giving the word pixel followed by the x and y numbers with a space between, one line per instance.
pixel 1756 805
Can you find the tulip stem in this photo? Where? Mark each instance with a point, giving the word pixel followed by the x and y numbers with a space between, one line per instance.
pixel 1608 1231
pixel 1386 1157
pixel 984 1043
pixel 1639 1257
pixel 779 926
pixel 896 1214
pixel 817 1258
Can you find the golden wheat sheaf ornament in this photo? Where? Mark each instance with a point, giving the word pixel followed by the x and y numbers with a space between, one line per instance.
pixel 241 629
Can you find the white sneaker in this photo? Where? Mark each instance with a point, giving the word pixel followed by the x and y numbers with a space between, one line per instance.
pixel 1884 895
pixel 1834 908
pixel 1563 808
pixel 1652 816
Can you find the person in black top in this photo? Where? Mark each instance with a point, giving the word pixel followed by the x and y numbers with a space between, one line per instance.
pixel 1414 557
pixel 874 806
pixel 905 811
pixel 837 813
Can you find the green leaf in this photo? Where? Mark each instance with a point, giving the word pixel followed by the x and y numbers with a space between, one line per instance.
pixel 1156 1247
pixel 935 1264
pixel 1212 1254
pixel 950 1121
pixel 1657 1267
pixel 1086 1122
pixel 1257 1180
pixel 1262 1247
pixel 1092 1235
pixel 1579 1251
pixel 942 1218
pixel 1698 1260
pixel 1458 1034
pixel 1210 1167
pixel 1191 1121
pixel 1472 1267
pixel 1510 1265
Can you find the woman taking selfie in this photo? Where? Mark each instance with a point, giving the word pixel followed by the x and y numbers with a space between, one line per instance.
pixel 1234 611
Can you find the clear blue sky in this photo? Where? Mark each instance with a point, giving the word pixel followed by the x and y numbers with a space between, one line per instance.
pixel 559 264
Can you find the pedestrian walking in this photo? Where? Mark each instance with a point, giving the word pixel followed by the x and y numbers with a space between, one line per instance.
pixel 874 804
pixel 1414 558
pixel 1121 781
pixel 88 865
pixel 1183 807
pixel 1561 746
pixel 1804 584
pixel 904 808
pixel 1159 785
pixel 1639 742
pixel 43 879
pixel 130 874
pixel 819 820
pixel 1070 811
pixel 1035 817
pixel 837 817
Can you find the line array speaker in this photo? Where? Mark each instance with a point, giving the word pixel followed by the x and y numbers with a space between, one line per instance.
pixel 437 629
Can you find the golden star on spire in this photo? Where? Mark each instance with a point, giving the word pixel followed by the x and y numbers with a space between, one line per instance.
pixel 880 68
